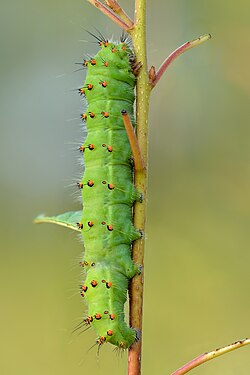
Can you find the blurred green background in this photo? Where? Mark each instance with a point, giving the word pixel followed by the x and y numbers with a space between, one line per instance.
pixel 197 259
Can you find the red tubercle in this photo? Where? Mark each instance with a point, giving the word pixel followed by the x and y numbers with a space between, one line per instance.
pixel 80 185
pixel 98 316
pixel 81 91
pixel 103 83
pixel 105 114
pixel 90 183
pixel 110 227
pixel 90 224
pixel 108 284
pixel 91 114
pixel 82 294
pixel 109 148
pixel 93 62
pixel 91 147
pixel 84 288
pixel 94 283
pixel 114 50
pixel 100 341
pixel 110 332
pixel 111 186
pixel 112 316
pixel 106 63
pixel 80 226
pixel 88 320
pixel 104 43
pixel 83 116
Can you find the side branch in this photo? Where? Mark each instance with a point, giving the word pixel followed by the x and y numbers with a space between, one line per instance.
pixel 210 355
pixel 183 48
pixel 115 6
pixel 108 12
pixel 136 152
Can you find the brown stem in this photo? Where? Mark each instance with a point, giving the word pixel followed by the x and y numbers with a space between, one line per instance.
pixel 136 152
pixel 143 89
pixel 106 10
pixel 210 355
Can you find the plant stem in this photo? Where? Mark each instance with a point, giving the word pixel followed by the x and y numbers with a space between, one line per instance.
pixel 138 35
pixel 210 355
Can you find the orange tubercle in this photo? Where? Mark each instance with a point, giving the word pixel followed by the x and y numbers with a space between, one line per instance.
pixel 94 283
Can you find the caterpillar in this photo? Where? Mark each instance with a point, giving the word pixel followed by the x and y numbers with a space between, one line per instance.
pixel 108 192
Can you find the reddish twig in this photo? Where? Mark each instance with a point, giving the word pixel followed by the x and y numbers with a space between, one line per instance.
pixel 108 12
pixel 183 48
pixel 115 6
pixel 210 355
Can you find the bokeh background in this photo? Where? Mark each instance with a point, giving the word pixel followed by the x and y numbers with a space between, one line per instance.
pixel 197 259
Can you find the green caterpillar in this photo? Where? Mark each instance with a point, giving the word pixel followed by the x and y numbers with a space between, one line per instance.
pixel 108 193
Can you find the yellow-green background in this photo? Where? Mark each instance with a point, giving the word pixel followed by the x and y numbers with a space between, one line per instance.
pixel 197 258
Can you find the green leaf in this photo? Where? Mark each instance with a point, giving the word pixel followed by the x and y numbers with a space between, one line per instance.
pixel 68 219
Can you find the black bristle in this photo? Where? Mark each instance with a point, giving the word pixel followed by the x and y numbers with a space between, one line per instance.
pixel 95 36
pixel 101 36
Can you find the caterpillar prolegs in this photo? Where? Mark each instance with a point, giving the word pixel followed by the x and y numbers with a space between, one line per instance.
pixel 108 193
